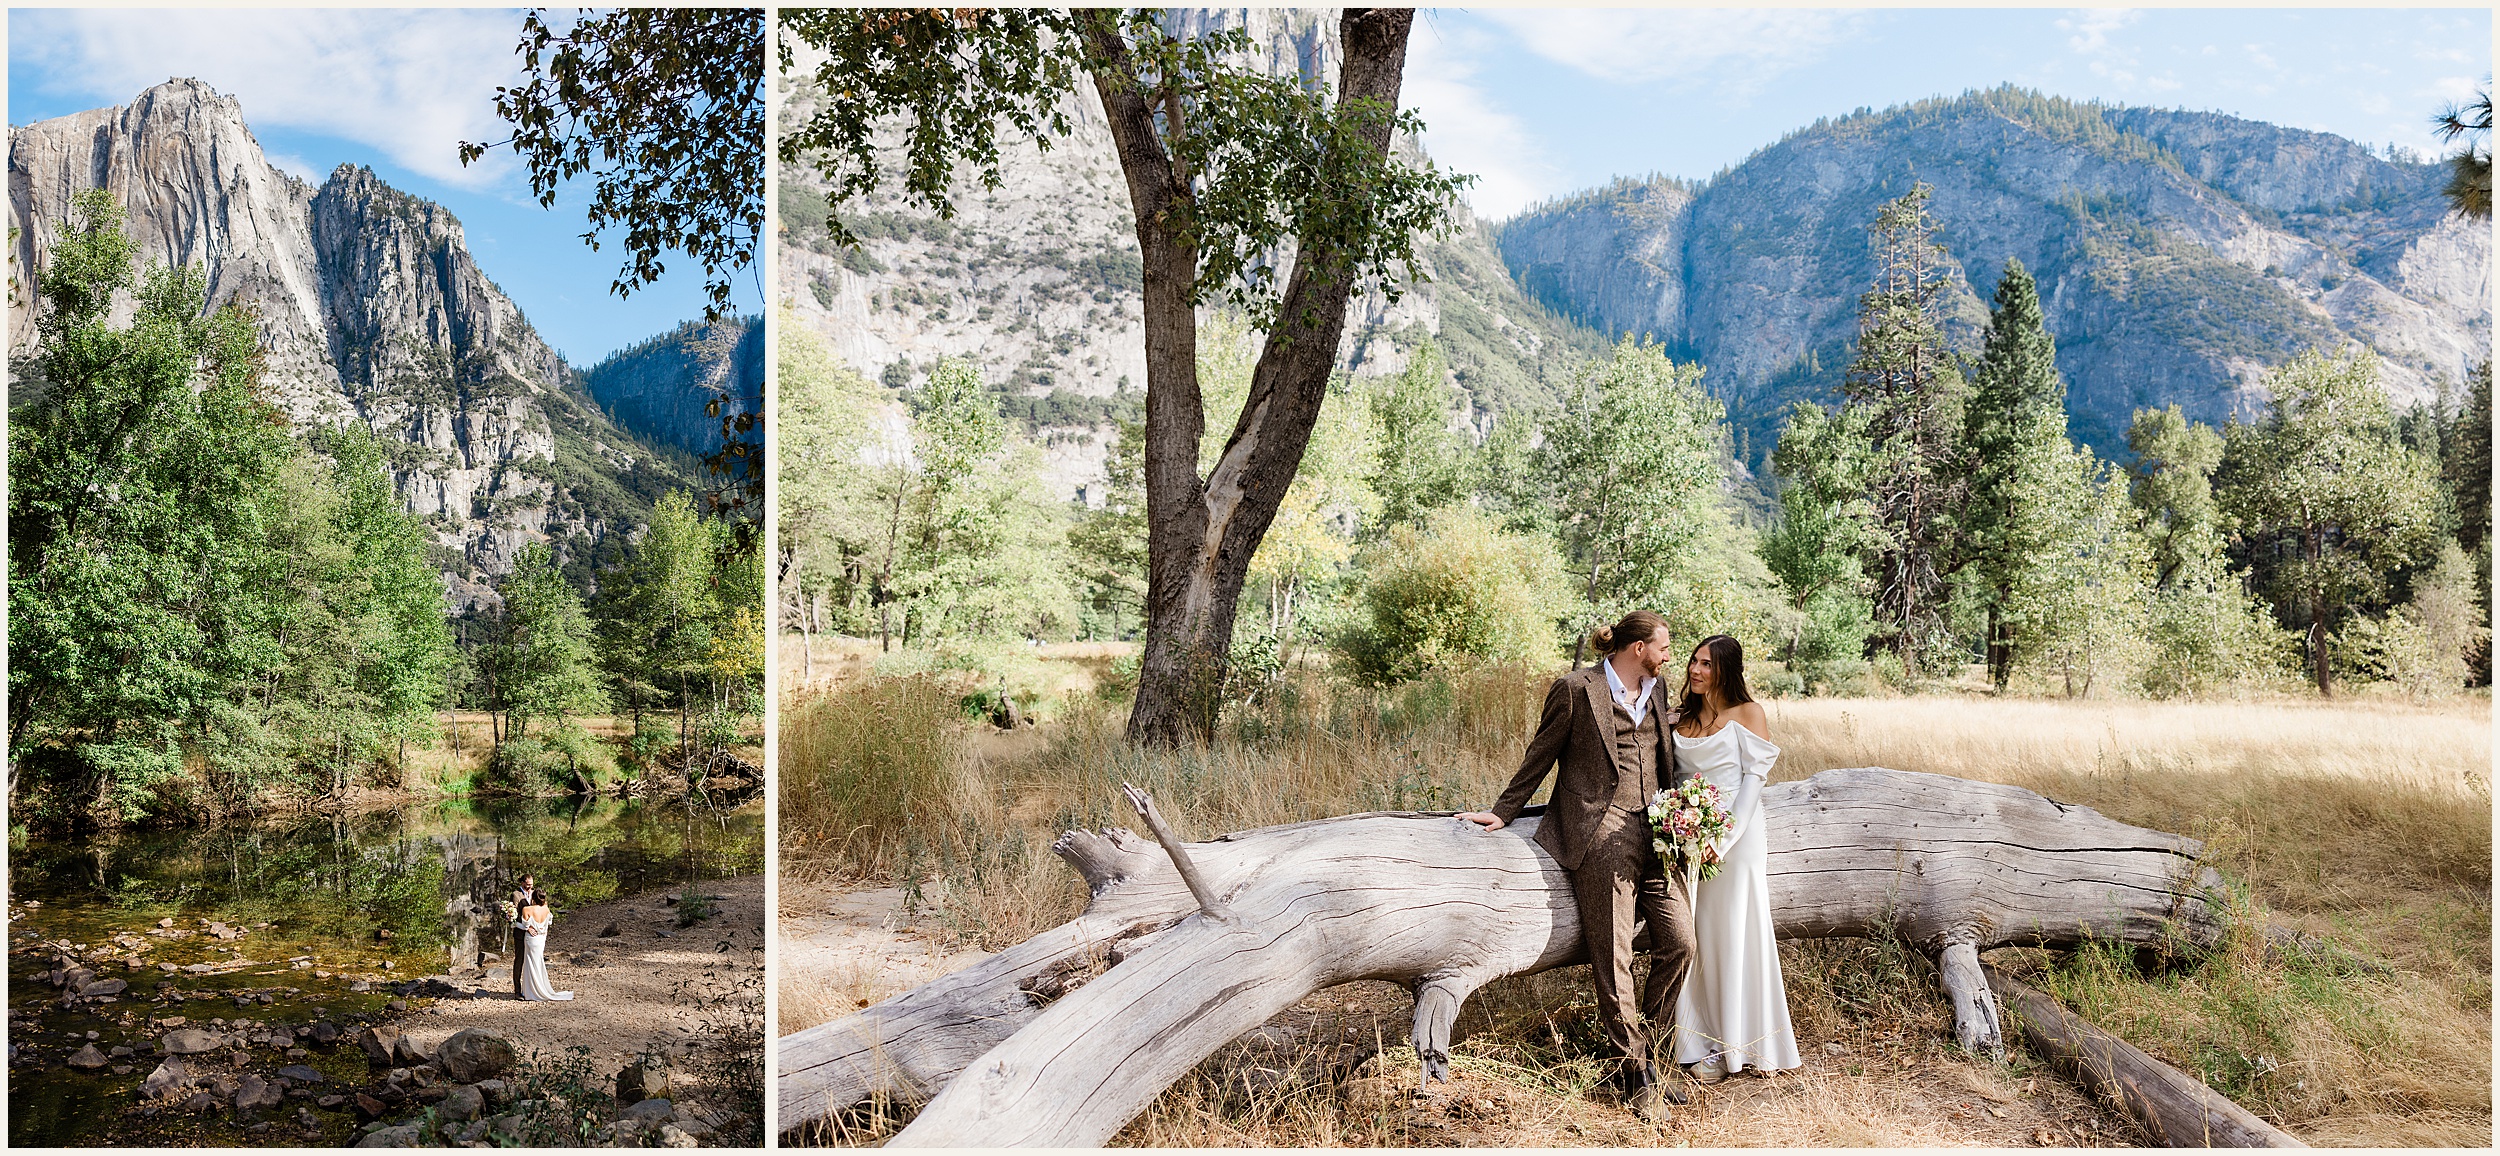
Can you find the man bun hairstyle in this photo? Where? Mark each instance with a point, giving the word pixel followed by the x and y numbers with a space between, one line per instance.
pixel 1638 626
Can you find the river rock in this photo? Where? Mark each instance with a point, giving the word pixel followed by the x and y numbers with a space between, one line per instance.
pixel 611 931
pixel 165 1081
pixel 652 1109
pixel 463 1104
pixel 325 1033
pixel 473 1054
pixel 496 1091
pixel 368 1108
pixel 253 1092
pixel 200 1102
pixel 406 1053
pixel 104 987
pixel 361 985
pixel 331 1101
pixel 402 1136
pixel 671 1136
pixel 88 1058
pixel 222 931
pixel 189 1042
pixel 380 1044
pixel 639 1082
pixel 303 1074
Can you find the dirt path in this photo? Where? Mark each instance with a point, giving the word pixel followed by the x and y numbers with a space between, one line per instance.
pixel 626 988
pixel 843 949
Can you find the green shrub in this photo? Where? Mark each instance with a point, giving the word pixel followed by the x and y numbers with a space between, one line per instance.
pixel 1461 590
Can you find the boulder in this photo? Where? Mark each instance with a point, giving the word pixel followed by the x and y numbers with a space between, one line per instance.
pixel 380 1043
pixel 166 1081
pixel 671 1136
pixel 653 1109
pixel 325 1033
pixel 639 1082
pixel 497 1092
pixel 200 1102
pixel 189 1042
pixel 368 1108
pixel 254 1092
pixel 104 987
pixel 403 1136
pixel 88 1058
pixel 406 1053
pixel 303 1074
pixel 473 1054
pixel 463 1104
pixel 75 978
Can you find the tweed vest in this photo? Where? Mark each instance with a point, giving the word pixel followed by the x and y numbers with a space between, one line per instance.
pixel 1636 755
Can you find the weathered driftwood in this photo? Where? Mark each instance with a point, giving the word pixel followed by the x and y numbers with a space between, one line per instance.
pixel 1131 994
pixel 2176 1108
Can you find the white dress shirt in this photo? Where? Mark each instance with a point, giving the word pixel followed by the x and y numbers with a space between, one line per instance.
pixel 1639 705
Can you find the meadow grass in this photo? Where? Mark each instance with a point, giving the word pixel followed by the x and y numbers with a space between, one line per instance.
pixel 2364 820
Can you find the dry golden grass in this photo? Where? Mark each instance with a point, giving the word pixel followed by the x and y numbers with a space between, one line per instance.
pixel 2367 820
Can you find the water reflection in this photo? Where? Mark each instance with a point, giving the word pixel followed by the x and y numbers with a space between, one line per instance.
pixel 399 893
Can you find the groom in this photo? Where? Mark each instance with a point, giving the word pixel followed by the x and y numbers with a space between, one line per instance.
pixel 1607 727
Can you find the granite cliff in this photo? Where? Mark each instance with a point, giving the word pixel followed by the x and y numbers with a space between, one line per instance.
pixel 2179 255
pixel 371 310
pixel 1038 282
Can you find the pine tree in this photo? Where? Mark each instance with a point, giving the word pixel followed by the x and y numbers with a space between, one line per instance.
pixel 2017 414
pixel 1825 526
pixel 1913 392
pixel 543 655
pixel 1418 464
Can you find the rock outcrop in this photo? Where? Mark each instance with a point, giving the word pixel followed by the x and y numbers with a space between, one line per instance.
pixel 2179 255
pixel 371 310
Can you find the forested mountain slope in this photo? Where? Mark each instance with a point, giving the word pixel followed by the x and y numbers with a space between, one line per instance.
pixel 2179 255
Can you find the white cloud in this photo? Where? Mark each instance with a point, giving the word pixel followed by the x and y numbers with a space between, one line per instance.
pixel 1465 131
pixel 410 84
pixel 2091 28
pixel 289 162
pixel 1736 51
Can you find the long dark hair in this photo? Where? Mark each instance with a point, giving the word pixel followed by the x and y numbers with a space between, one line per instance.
pixel 1727 659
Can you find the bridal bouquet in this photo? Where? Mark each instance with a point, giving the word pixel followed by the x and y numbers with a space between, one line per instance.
pixel 511 914
pixel 1687 822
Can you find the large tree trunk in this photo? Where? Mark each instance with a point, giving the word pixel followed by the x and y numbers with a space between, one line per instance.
pixel 1202 532
pixel 1144 985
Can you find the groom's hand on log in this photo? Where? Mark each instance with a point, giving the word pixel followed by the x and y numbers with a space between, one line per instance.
pixel 1489 820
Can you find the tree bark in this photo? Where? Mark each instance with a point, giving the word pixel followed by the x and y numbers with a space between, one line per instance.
pixel 2176 1108
pixel 1201 533
pixel 1073 1032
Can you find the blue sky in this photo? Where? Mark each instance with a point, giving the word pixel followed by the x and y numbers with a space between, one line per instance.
pixel 393 89
pixel 1542 102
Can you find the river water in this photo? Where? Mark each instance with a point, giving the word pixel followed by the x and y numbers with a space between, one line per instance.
pixel 280 924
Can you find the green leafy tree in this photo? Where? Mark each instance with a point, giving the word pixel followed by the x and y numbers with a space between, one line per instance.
pixel 1107 545
pixel 143 601
pixel 663 110
pixel 2016 419
pixel 1825 527
pixel 829 464
pixel 1418 463
pixel 657 612
pixel 2205 631
pixel 1631 468
pixel 1227 166
pixel 543 656
pixel 2075 607
pixel 2465 470
pixel 1460 589
pixel 2321 485
pixel 1913 392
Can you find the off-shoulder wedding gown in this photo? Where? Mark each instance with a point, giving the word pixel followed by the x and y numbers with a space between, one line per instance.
pixel 1733 1011
pixel 533 962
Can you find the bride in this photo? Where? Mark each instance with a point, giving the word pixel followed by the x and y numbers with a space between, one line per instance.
pixel 1733 1011
pixel 531 968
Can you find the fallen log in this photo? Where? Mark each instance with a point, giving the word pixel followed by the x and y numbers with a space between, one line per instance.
pixel 2176 1108
pixel 1142 986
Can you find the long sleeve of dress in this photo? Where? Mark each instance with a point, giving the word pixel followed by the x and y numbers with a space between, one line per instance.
pixel 1755 756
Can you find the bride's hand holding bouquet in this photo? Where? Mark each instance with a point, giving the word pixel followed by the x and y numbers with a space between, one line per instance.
pixel 1689 823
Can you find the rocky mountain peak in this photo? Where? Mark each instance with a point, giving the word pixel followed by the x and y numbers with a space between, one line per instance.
pixel 371 309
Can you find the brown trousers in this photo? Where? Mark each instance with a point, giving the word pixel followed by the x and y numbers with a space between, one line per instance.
pixel 1620 878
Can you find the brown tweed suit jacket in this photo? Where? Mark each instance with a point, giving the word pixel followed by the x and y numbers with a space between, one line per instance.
pixel 1577 732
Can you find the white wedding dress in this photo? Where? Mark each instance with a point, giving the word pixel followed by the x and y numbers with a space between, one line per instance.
pixel 1734 1007
pixel 533 961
